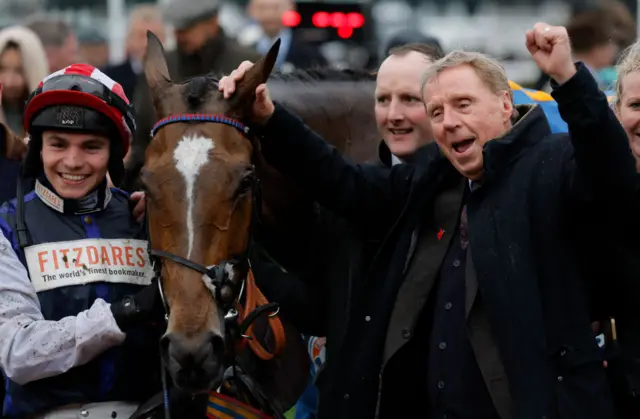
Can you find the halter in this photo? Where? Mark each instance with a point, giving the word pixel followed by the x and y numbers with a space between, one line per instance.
pixel 237 319
pixel 199 117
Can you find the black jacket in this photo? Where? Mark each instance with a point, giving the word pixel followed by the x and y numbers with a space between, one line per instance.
pixel 615 249
pixel 523 252
pixel 317 299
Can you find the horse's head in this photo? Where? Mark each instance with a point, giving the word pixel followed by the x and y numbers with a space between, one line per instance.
pixel 199 180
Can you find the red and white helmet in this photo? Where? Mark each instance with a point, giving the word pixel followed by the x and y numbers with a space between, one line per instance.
pixel 86 87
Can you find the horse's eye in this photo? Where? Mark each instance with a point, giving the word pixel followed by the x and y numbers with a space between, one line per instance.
pixel 246 184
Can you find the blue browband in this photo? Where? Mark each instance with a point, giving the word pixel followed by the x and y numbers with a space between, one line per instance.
pixel 198 117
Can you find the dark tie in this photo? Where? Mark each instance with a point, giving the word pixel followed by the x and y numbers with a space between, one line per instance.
pixel 464 233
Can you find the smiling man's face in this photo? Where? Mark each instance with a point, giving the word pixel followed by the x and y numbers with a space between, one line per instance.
pixel 400 113
pixel 74 163
pixel 465 114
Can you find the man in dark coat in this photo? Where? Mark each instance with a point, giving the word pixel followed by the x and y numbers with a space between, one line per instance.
pixel 506 331
pixel 404 127
pixel 202 47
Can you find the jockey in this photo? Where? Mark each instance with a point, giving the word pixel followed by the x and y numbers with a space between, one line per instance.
pixel 77 306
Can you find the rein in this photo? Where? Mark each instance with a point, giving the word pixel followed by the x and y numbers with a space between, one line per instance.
pixel 238 319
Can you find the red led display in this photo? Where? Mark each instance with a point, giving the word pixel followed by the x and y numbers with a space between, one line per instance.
pixel 344 23
pixel 291 18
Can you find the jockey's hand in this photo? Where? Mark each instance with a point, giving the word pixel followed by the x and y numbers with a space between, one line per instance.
pixel 142 309
pixel 138 198
pixel 550 47
pixel 263 107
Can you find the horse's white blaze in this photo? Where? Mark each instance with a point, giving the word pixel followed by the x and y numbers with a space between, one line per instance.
pixel 191 153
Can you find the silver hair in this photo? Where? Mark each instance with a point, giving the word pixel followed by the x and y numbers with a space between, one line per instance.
pixel 489 70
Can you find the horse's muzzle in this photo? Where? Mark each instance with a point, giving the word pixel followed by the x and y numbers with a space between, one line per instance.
pixel 195 364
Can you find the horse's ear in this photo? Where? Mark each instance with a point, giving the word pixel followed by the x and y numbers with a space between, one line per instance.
pixel 12 146
pixel 156 70
pixel 258 74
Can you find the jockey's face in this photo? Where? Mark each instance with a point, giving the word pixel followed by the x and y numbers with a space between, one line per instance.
pixel 74 163
pixel 628 111
pixel 465 114
pixel 400 113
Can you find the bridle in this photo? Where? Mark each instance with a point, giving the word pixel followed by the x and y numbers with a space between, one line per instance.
pixel 238 320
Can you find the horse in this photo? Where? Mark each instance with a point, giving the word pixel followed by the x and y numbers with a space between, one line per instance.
pixel 203 197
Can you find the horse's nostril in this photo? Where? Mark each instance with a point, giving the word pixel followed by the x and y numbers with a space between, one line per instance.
pixel 194 362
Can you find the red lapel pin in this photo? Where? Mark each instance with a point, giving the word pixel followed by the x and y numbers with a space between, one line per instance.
pixel 440 234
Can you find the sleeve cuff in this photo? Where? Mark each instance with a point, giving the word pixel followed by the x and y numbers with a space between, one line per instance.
pixel 260 129
pixel 283 121
pixel 577 85
pixel 280 116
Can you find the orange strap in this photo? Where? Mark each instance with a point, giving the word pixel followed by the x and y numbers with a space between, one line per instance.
pixel 255 298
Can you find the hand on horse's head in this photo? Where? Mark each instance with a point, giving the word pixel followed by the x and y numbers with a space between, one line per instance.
pixel 263 107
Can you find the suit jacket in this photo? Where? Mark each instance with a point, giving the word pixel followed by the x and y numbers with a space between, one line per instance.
pixel 422 273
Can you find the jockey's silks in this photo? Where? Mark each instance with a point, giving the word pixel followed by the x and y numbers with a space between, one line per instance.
pixel 94 251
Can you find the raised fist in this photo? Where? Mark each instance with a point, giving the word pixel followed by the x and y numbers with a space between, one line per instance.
pixel 550 47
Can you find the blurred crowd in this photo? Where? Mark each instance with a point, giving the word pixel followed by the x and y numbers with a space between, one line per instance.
pixel 29 51
pixel 37 47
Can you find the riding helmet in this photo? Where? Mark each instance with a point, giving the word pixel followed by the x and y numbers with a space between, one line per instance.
pixel 80 98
